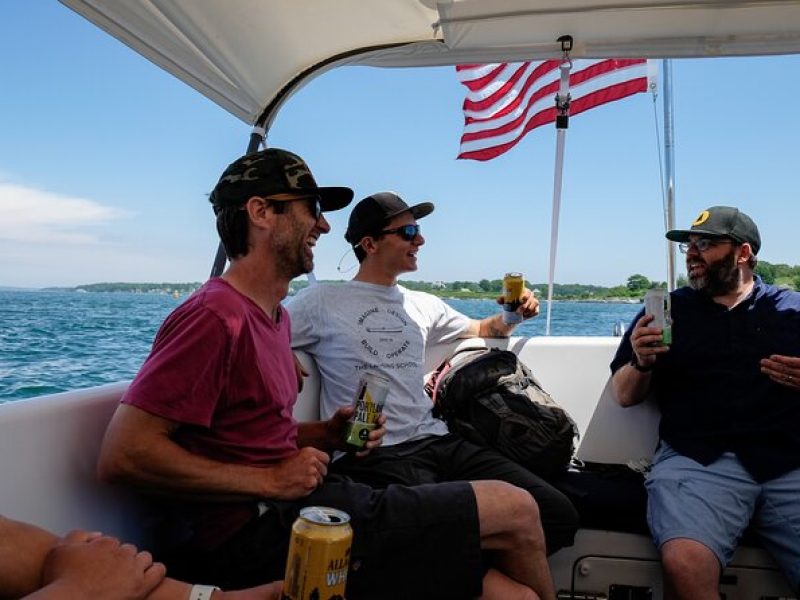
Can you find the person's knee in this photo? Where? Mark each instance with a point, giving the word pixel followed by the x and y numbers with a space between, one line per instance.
pixel 687 560
pixel 509 513
pixel 520 506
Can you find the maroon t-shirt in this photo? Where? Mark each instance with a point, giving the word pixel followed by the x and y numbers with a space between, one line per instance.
pixel 224 370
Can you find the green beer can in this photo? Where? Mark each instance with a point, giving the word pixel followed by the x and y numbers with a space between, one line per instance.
pixel 370 398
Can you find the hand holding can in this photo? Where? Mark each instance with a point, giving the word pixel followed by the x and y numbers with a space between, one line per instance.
pixel 513 284
pixel 370 398
pixel 657 303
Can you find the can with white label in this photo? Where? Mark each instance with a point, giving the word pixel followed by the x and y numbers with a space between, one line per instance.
pixel 657 303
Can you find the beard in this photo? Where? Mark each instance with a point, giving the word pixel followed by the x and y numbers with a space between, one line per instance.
pixel 721 277
pixel 290 248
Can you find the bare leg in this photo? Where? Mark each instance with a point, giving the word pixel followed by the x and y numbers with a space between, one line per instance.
pixel 691 570
pixel 511 530
pixel 497 586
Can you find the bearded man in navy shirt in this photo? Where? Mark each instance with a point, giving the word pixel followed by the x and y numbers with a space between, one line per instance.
pixel 728 387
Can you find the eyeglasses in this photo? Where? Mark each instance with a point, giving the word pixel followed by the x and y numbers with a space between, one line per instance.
pixel 702 244
pixel 407 232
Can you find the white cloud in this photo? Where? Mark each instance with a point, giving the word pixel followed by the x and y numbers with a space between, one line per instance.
pixel 32 215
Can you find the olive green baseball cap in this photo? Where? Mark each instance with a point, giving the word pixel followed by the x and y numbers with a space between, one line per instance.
pixel 721 221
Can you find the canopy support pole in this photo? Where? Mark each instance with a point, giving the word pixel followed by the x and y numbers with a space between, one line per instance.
pixel 562 124
pixel 669 160
pixel 257 137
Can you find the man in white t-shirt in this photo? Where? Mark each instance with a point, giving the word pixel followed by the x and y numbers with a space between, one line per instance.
pixel 373 324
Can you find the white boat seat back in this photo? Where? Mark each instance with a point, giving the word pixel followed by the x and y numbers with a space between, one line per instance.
pixel 48 457
pixel 307 406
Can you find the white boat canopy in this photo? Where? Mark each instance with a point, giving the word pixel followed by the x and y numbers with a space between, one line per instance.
pixel 226 49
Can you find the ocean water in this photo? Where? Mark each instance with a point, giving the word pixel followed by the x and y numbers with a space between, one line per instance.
pixel 58 341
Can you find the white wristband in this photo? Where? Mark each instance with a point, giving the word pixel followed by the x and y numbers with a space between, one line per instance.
pixel 202 592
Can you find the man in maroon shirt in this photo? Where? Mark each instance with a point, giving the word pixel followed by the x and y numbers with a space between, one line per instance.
pixel 207 423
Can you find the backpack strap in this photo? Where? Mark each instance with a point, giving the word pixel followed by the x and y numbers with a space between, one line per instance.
pixel 432 383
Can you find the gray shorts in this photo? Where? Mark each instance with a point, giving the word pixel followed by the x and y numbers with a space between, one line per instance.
pixel 714 504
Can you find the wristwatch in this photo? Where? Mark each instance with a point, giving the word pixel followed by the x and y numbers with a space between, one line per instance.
pixel 639 367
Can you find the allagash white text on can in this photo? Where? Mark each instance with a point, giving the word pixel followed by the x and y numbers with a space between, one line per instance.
pixel 319 555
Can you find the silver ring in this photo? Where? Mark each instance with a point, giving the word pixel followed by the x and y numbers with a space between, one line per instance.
pixel 789 378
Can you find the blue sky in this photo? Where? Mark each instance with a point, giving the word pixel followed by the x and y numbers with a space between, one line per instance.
pixel 105 163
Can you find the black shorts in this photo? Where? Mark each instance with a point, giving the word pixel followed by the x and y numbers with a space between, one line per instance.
pixel 408 542
pixel 452 458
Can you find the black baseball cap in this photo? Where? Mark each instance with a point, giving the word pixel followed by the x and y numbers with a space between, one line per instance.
pixel 721 221
pixel 270 172
pixel 374 212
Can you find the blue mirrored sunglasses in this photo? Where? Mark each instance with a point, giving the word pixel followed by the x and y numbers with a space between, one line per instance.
pixel 407 232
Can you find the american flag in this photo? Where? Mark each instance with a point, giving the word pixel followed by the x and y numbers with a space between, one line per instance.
pixel 506 100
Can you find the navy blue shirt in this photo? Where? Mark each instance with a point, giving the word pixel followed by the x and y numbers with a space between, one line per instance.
pixel 709 386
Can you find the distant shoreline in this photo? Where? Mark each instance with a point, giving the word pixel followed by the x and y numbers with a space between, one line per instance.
pixel 630 292
pixel 587 293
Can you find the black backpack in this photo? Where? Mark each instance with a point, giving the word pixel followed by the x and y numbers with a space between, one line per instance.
pixel 489 397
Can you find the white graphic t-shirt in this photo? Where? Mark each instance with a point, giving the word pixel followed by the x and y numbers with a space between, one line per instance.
pixel 355 327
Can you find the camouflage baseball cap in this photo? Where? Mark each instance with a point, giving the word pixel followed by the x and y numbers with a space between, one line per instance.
pixel 372 214
pixel 270 172
pixel 721 221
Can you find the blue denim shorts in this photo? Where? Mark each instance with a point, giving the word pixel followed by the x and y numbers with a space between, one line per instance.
pixel 714 504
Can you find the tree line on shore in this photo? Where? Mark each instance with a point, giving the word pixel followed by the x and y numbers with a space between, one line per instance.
pixel 634 288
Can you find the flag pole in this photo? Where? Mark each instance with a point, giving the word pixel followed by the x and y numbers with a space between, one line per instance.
pixel 562 123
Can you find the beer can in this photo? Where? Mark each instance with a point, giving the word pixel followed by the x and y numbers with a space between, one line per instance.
pixel 319 555
pixel 513 284
pixel 370 398
pixel 657 303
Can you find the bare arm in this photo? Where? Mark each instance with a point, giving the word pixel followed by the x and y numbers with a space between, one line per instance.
pixel 630 384
pixel 494 326
pixel 138 450
pixel 23 549
pixel 90 565
pixel 35 564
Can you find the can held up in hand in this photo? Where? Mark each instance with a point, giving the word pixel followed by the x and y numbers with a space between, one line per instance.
pixel 319 555
pixel 513 284
pixel 657 303
pixel 370 398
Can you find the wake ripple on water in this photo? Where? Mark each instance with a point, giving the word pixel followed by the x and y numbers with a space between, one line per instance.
pixel 58 341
